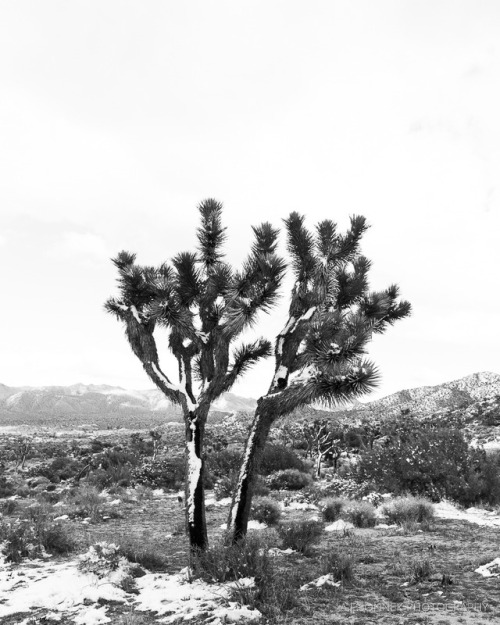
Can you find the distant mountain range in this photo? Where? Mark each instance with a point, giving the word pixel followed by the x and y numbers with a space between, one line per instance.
pixel 102 404
pixel 92 400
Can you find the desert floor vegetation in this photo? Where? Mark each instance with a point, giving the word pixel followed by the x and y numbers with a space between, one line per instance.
pixel 327 552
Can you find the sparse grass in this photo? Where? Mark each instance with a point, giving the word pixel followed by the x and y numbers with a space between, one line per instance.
pixel 420 569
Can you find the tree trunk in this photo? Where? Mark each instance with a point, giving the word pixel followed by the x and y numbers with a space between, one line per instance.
pixel 318 464
pixel 194 489
pixel 242 499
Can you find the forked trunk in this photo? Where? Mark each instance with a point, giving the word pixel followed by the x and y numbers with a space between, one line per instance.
pixel 242 499
pixel 194 489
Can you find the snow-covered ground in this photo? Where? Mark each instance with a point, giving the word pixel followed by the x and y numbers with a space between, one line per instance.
pixel 64 591
pixel 447 510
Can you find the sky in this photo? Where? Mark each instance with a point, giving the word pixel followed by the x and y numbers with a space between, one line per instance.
pixel 118 117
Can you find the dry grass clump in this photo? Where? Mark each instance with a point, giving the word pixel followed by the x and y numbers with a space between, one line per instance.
pixel 406 511
pixel 360 513
pixel 300 535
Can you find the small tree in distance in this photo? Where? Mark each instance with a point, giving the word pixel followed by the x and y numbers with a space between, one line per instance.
pixel 319 354
pixel 205 305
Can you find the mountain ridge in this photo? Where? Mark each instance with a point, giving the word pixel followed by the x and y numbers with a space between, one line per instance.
pixel 81 400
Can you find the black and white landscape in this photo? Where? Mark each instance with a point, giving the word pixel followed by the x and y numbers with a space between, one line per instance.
pixel 249 357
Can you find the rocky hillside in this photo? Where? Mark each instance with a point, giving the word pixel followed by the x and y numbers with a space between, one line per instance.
pixel 471 404
pixel 427 399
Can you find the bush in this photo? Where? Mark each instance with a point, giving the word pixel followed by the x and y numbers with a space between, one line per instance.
pixel 435 462
pixel 224 486
pixel 408 509
pixel 147 557
pixel 7 488
pixel 360 513
pixel 260 489
pixel 332 507
pixel 279 458
pixel 88 502
pixel 288 479
pixel 266 510
pixel 300 535
pixel 18 540
pixel 340 565
pixel 222 562
pixel 61 468
pixel 420 569
pixel 164 473
pixel 223 462
pixel 9 507
pixel 101 559
pixel 30 537
pixel 340 487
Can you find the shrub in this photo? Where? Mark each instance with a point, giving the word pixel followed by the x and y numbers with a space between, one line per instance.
pixel 17 540
pixel 223 462
pixel 7 488
pixel 9 507
pixel 224 486
pixel 222 562
pixel 56 540
pixel 332 507
pixel 163 473
pixel 340 565
pixel 260 489
pixel 408 509
pixel 288 479
pixel 300 535
pixel 435 462
pixel 279 458
pixel 266 510
pixel 88 501
pixel 339 486
pixel 29 537
pixel 147 557
pixel 101 559
pixel 360 513
pixel 61 468
pixel 420 569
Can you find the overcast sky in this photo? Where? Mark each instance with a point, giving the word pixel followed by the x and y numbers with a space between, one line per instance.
pixel 118 117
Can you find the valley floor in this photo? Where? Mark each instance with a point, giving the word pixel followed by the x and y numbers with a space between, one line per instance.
pixel 385 588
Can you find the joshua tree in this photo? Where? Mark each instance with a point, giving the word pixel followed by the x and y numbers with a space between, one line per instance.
pixel 205 305
pixel 319 352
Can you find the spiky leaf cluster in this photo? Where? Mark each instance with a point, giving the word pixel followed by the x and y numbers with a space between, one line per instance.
pixel 205 305
pixel 321 352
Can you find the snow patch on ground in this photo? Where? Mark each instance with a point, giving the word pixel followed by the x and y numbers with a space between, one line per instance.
pixel 65 591
pixel 324 580
pixel 492 569
pixel 446 510
pixel 173 596
pixel 339 526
